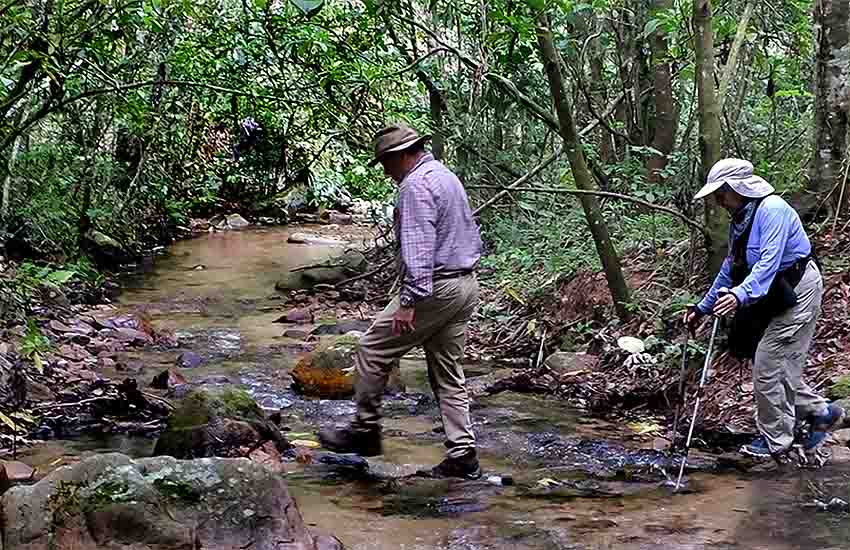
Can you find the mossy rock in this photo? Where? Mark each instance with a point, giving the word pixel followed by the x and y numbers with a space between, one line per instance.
pixel 216 422
pixel 328 372
pixel 335 270
pixel 108 501
pixel 839 390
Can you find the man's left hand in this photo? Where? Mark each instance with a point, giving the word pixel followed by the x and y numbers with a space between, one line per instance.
pixel 726 305
pixel 403 320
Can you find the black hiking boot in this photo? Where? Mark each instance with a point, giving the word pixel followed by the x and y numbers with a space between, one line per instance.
pixel 364 441
pixel 465 467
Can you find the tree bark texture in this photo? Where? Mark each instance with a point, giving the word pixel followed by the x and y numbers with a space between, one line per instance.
pixel 832 102
pixel 583 178
pixel 666 122
pixel 709 128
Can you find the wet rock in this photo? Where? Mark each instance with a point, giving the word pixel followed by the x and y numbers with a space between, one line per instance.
pixel 340 219
pixel 343 326
pixel 103 248
pixel 217 422
pixel 189 360
pixel 568 489
pixel 167 379
pixel 296 334
pixel 110 501
pixel 129 336
pixel 478 386
pixel 328 371
pixel 17 472
pixel 106 363
pixel 214 380
pixel 37 391
pixel 231 221
pixel 73 352
pixel 296 315
pixel 235 221
pixel 566 363
pixel 334 270
pixel 307 238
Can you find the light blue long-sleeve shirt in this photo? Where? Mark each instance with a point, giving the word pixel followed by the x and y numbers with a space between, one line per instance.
pixel 777 240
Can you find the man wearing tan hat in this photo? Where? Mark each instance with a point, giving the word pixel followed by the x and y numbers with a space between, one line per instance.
pixel 439 249
pixel 772 284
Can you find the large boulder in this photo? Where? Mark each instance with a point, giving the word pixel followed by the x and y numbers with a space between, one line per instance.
pixel 103 248
pixel 328 372
pixel 566 363
pixel 110 502
pixel 230 221
pixel 333 271
pixel 224 422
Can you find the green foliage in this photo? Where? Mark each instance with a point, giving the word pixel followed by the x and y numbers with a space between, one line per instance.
pixel 34 344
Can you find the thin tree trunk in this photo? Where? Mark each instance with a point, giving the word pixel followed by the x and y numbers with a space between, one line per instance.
pixel 10 165
pixel 732 62
pixel 583 178
pixel 666 122
pixel 709 128
pixel 832 101
pixel 599 90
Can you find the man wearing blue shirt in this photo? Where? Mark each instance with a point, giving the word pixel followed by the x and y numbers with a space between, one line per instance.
pixel 771 282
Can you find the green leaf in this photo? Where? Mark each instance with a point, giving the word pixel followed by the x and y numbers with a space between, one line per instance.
pixel 61 277
pixel 650 27
pixel 9 422
pixel 309 7
pixel 38 363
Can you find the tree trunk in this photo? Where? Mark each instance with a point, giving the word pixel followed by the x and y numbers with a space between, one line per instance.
pixel 10 165
pixel 599 91
pixel 709 128
pixel 666 121
pixel 832 102
pixel 437 102
pixel 581 174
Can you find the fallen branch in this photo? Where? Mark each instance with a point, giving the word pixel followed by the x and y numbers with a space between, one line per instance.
pixel 51 406
pixel 642 202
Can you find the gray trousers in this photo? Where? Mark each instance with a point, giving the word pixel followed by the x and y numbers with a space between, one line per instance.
pixel 440 328
pixel 782 397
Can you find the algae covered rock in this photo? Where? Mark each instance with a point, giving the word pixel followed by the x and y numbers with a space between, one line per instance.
pixel 109 501
pixel 217 422
pixel 328 372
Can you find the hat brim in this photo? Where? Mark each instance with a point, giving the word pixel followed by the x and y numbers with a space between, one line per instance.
pixel 753 187
pixel 708 189
pixel 400 147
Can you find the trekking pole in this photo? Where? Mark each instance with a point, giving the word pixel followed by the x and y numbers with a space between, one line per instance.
pixel 681 394
pixel 702 379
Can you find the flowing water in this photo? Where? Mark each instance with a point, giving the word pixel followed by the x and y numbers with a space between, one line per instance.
pixel 579 483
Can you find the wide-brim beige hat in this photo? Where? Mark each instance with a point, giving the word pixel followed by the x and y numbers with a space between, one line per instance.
pixel 738 173
pixel 391 139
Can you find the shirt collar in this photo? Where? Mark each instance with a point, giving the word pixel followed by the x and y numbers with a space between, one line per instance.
pixel 427 157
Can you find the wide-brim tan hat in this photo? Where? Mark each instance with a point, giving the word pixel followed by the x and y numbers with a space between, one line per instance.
pixel 391 139
pixel 738 173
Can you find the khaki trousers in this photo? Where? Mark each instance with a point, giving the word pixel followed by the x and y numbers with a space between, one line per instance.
pixel 782 397
pixel 440 328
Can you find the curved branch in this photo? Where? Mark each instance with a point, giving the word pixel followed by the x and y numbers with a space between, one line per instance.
pixel 515 185
pixel 642 202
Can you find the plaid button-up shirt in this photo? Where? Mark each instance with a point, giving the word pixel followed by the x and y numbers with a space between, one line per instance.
pixel 434 227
